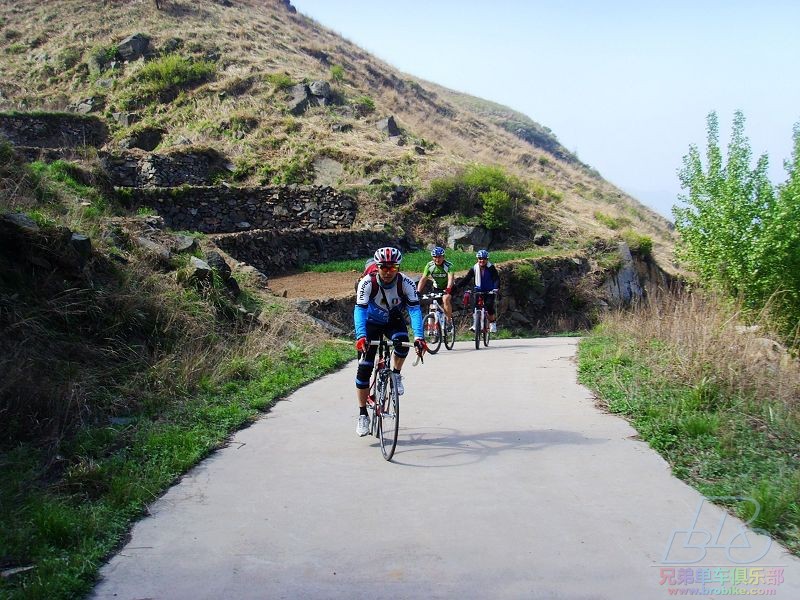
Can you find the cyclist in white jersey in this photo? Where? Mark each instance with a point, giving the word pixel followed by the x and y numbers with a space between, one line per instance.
pixel 381 298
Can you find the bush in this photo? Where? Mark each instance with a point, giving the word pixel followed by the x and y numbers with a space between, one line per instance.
pixel 479 188
pixel 169 73
pixel 526 281
pixel 497 209
pixel 641 244
pixel 337 74
pixel 280 81
pixel 364 106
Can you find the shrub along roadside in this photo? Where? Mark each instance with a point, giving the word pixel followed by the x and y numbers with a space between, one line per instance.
pixel 723 441
pixel 111 473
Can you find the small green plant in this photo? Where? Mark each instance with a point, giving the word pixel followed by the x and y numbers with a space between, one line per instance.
pixel 542 192
pixel 68 57
pixel 17 48
pixel 98 59
pixel 293 171
pixel 292 125
pixel 280 81
pixel 166 75
pixel 337 74
pixel 526 280
pixel 611 222
pixel 364 105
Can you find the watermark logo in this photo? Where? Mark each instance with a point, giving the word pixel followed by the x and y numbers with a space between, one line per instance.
pixel 690 546
pixel 713 537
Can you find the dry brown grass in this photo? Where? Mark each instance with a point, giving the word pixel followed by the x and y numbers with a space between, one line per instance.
pixel 700 337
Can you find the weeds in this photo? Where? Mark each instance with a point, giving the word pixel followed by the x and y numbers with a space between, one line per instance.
pixel 715 399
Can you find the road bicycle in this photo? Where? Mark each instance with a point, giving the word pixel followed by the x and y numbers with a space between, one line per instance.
pixel 480 319
pixel 436 326
pixel 383 401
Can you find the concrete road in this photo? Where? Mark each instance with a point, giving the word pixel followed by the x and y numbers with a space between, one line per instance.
pixel 507 482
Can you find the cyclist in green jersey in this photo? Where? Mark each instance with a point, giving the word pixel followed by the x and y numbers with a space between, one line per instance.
pixel 441 272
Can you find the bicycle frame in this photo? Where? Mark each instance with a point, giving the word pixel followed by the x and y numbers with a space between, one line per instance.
pixel 382 398
pixel 435 307
pixel 480 319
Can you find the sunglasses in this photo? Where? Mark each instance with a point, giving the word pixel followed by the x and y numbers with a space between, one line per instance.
pixel 387 267
pixel 482 259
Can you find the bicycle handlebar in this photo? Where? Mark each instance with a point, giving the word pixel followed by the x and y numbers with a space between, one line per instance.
pixel 403 344
pixel 432 296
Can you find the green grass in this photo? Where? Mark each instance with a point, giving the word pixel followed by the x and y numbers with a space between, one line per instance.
pixel 722 443
pixel 111 472
pixel 414 262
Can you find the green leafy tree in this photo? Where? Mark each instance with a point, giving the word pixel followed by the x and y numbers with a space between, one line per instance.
pixel 777 252
pixel 723 220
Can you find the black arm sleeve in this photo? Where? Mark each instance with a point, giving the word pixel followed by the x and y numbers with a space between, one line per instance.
pixel 467 281
pixel 495 277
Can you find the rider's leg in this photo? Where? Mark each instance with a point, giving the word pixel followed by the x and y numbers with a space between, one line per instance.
pixel 366 362
pixel 397 332
pixel 490 308
pixel 448 306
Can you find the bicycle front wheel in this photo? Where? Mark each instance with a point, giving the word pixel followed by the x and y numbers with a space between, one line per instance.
pixel 486 331
pixel 433 333
pixel 477 324
pixel 389 422
pixel 449 333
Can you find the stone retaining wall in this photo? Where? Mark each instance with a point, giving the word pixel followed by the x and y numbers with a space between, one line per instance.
pixel 188 167
pixel 228 209
pixel 54 130
pixel 274 252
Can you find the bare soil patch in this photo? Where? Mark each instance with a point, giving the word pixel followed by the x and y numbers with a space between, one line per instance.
pixel 318 286
pixel 314 286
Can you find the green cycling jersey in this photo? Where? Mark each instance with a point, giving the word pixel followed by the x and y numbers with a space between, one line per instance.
pixel 439 274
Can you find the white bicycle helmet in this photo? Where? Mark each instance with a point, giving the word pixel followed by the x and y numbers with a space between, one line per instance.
pixel 388 255
pixel 482 254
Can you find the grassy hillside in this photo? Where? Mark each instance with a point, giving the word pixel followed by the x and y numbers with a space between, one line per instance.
pixel 220 76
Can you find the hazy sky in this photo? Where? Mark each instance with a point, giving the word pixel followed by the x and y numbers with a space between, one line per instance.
pixel 625 84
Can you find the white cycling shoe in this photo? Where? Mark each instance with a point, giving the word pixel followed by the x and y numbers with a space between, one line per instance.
pixel 493 327
pixel 398 384
pixel 362 428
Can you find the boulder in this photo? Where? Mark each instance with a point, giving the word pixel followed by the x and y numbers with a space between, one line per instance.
pixel 133 46
pixel 468 237
pixel 388 126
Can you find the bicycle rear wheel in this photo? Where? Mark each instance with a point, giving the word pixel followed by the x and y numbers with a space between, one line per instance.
pixel 449 333
pixel 433 333
pixel 389 421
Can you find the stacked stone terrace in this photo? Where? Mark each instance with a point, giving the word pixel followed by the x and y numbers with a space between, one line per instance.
pixel 273 228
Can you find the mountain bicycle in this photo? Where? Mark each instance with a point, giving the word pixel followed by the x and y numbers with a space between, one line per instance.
pixel 383 401
pixel 480 319
pixel 437 326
